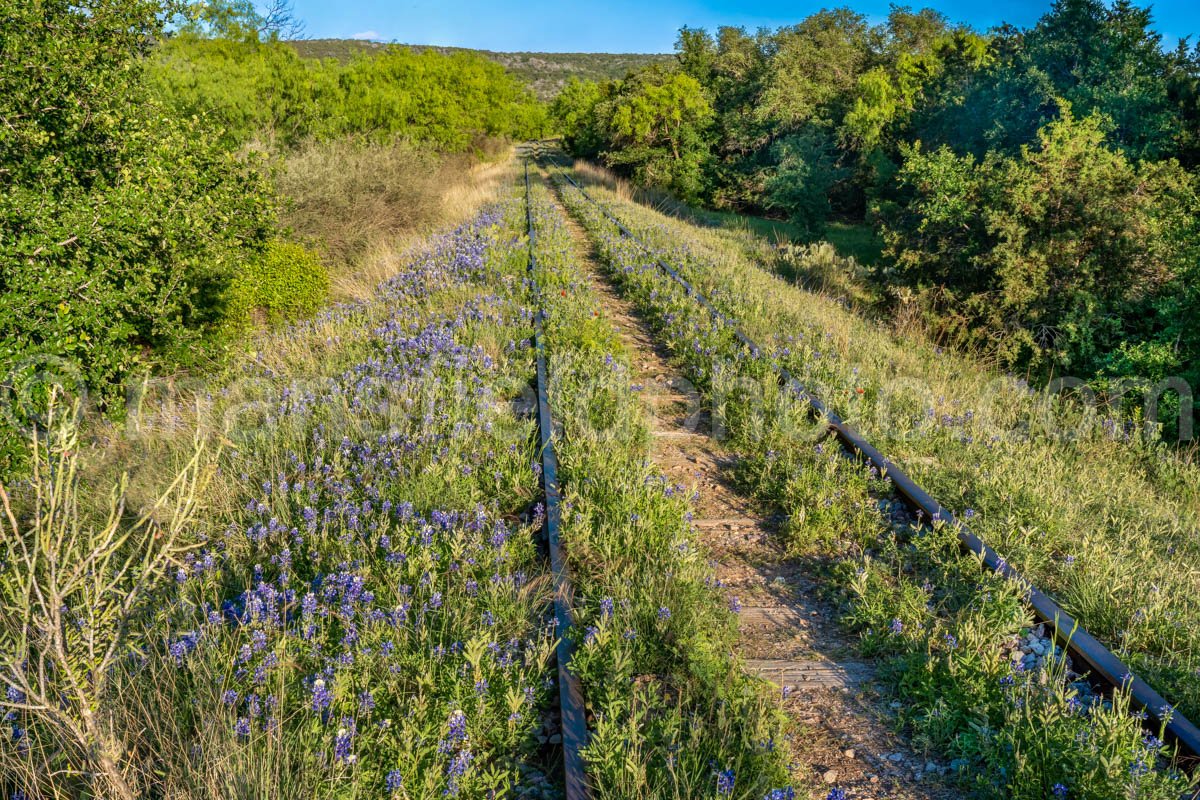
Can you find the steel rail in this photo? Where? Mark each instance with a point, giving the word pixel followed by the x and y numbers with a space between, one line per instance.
pixel 570 692
pixel 1102 662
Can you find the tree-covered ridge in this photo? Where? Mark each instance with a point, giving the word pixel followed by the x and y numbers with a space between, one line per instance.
pixel 1037 189
pixel 544 73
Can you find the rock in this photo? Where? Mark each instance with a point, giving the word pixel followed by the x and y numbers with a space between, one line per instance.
pixel 848 753
pixel 556 739
pixel 931 767
pixel 896 757
pixel 830 776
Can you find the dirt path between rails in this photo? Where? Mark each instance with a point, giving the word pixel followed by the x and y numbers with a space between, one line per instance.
pixel 841 736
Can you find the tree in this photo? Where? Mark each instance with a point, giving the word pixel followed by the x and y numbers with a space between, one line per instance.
pixel 240 20
pixel 1053 257
pixel 120 227
pixel 813 68
pixel 1108 59
pixel 655 124
pixel 1085 238
pixel 574 114
pixel 806 173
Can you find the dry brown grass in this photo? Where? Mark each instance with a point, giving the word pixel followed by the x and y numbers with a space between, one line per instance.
pixel 361 204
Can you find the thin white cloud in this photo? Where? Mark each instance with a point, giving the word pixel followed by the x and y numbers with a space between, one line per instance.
pixel 368 36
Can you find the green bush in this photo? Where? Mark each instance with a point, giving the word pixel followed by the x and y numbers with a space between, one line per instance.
pixel 286 283
pixel 1054 258
pixel 120 225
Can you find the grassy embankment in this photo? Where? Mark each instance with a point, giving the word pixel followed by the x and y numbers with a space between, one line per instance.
pixel 1101 519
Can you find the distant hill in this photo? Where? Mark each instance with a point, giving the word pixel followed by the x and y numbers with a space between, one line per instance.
pixel 545 73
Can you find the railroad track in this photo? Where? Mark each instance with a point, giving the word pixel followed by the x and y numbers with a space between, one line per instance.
pixel 572 711
pixel 1104 668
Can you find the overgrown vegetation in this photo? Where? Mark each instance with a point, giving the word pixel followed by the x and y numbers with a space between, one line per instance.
pixel 1036 188
pixel 122 225
pixel 352 605
pixel 1089 513
pixel 160 164
pixel 306 562
pixel 675 714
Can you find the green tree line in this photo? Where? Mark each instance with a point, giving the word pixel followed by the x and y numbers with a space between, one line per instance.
pixel 260 90
pixel 1036 188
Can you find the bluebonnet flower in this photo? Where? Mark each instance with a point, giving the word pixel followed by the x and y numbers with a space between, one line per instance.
pixel 664 613
pixel 786 793
pixel 1059 790
pixel 344 742
pixel 897 626
pixel 836 794
pixel 457 768
pixel 242 727
pixel 14 695
pixel 606 607
pixel 321 696
pixel 393 781
pixel 725 780
pixel 184 645
pixel 951 641
pixel 458 726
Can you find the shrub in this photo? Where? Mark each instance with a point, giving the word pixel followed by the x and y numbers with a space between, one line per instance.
pixel 287 282
pixel 72 586
pixel 347 194
pixel 1052 258
pixel 120 227
pixel 801 184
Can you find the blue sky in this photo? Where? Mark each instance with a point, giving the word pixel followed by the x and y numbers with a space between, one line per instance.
pixel 641 26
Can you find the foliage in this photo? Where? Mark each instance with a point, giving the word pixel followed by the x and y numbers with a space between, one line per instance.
pixel 669 700
pixel 545 74
pixel 1028 470
pixel 653 124
pixel 70 592
pixel 575 116
pixel 286 283
pixel 800 185
pixel 120 225
pixel 1059 252
pixel 362 607
pixel 263 90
